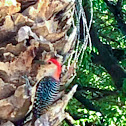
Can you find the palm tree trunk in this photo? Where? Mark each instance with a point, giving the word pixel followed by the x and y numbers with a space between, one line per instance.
pixel 32 31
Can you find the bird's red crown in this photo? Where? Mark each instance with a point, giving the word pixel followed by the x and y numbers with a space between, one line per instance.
pixel 54 61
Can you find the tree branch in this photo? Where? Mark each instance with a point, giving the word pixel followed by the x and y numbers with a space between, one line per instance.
pixel 105 58
pixel 119 3
pixel 116 9
pixel 108 38
pixel 86 102
pixel 96 93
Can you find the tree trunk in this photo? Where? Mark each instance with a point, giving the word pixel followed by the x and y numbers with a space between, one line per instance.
pixel 31 32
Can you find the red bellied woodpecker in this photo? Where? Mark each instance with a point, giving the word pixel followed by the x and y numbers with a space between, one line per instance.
pixel 45 95
pixel 46 91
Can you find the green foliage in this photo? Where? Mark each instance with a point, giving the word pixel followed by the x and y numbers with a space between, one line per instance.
pixel 114 110
pixel 89 74
pixel 107 25
pixel 113 106
pixel 124 86
pixel 90 116
pixel 85 115
pixel 123 63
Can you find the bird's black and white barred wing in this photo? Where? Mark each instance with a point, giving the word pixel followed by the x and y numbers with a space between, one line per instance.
pixel 46 92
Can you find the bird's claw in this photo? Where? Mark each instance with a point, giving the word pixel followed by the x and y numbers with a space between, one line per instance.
pixel 28 87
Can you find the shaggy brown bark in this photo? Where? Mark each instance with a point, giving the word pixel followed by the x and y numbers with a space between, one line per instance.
pixel 32 31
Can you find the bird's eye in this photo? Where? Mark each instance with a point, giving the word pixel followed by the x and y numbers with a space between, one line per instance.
pixel 49 62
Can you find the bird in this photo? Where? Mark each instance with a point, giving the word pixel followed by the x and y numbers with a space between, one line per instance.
pixel 47 90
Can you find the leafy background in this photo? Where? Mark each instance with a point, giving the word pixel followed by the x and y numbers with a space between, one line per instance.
pixel 97 86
